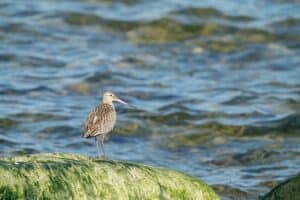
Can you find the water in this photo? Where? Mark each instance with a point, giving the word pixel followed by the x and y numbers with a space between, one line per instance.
pixel 216 84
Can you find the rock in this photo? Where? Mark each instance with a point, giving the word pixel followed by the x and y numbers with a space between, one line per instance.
pixel 288 190
pixel 67 176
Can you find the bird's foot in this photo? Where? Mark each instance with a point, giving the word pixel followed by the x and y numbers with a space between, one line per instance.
pixel 103 157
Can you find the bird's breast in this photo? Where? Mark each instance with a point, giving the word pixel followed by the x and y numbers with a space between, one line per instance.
pixel 107 114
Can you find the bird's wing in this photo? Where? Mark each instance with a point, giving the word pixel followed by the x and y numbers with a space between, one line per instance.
pixel 99 121
pixel 90 126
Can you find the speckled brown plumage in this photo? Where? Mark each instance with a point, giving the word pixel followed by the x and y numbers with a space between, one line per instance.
pixel 100 121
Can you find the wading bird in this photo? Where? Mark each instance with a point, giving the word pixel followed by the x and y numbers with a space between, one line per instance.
pixel 101 120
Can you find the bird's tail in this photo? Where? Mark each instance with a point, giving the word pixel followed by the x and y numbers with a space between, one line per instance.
pixel 85 135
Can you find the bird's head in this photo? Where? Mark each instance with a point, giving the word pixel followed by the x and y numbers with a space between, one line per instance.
pixel 109 97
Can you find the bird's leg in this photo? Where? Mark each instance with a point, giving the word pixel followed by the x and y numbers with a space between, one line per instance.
pixel 100 138
pixel 102 146
pixel 96 141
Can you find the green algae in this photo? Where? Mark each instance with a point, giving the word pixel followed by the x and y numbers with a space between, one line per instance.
pixel 87 19
pixel 212 13
pixel 288 126
pixel 66 176
pixel 6 123
pixel 210 35
pixel 254 157
pixel 220 46
pixel 168 30
pixel 129 129
pixel 8 193
pixel 214 133
pixel 82 88
pixel 287 23
pixel 187 140
pixel 81 19
pixel 288 190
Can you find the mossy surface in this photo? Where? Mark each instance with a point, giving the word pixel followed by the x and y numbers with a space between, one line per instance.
pixel 288 190
pixel 6 123
pixel 67 176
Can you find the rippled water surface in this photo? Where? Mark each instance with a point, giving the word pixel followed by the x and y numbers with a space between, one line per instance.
pixel 216 84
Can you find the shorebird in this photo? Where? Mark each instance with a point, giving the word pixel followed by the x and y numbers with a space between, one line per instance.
pixel 101 120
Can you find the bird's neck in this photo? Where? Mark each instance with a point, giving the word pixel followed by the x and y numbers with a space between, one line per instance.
pixel 110 103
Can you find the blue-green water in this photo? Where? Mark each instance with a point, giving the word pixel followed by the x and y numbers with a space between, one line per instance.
pixel 216 84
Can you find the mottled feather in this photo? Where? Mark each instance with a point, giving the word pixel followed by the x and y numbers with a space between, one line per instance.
pixel 100 121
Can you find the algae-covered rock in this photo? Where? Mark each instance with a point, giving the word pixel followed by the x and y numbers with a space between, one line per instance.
pixel 65 176
pixel 288 190
pixel 6 123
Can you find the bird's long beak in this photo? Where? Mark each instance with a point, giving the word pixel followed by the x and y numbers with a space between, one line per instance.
pixel 120 101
